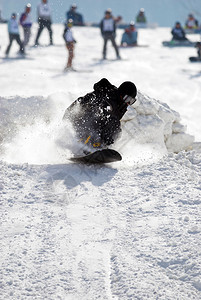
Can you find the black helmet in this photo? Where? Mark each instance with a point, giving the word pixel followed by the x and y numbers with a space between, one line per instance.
pixel 127 88
pixel 128 91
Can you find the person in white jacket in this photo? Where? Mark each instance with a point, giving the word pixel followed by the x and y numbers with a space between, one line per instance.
pixel 14 35
pixel 44 20
pixel 70 41
pixel 108 31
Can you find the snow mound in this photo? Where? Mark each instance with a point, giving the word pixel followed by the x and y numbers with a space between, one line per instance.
pixel 154 122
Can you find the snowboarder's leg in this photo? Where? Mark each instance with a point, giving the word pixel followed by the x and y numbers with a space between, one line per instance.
pixel 11 38
pixel 40 29
pixel 115 46
pixel 27 34
pixel 48 25
pixel 105 47
pixel 70 47
pixel 18 40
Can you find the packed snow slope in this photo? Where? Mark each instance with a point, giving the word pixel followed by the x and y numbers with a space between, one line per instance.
pixel 127 230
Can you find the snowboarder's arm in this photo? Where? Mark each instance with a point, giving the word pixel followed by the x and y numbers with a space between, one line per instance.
pixel 64 34
pixel 101 27
pixel 103 83
pixel 23 18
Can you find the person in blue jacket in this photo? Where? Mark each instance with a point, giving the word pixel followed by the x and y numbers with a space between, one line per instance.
pixel 14 35
pixel 178 32
pixel 129 37
pixel 75 16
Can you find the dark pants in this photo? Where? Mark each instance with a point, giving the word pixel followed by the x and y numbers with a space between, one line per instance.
pixel 106 38
pixel 42 24
pixel 14 37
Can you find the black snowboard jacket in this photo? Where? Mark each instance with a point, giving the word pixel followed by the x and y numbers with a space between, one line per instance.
pixel 98 114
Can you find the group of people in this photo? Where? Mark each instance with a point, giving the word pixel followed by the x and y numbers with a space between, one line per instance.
pixel 107 26
pixel 44 21
pixel 178 32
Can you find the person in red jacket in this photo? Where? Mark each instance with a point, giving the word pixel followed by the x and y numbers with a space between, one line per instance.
pixel 26 23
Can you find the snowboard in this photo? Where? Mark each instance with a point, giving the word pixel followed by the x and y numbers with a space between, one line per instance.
pixel 195 59
pixel 78 71
pixel 175 43
pixel 192 31
pixel 127 46
pixel 107 60
pixel 99 157
pixel 7 58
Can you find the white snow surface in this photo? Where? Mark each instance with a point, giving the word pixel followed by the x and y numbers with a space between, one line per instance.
pixel 126 230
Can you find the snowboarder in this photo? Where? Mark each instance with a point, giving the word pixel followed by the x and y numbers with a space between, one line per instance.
pixel 108 31
pixel 198 47
pixel 26 23
pixel 44 20
pixel 129 37
pixel 178 33
pixel 140 18
pixel 75 16
pixel 191 22
pixel 70 41
pixel 14 35
pixel 96 116
pixel 196 58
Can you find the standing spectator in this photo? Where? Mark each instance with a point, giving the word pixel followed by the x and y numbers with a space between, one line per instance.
pixel 13 30
pixel 75 16
pixel 108 31
pixel 44 20
pixel 1 19
pixel 70 41
pixel 26 22
pixel 141 17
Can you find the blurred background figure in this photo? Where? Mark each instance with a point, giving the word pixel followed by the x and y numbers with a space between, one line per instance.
pixel 129 37
pixel 140 18
pixel 2 20
pixel 198 47
pixel 75 16
pixel 191 22
pixel 14 35
pixel 178 32
pixel 70 41
pixel 108 31
pixel 26 23
pixel 44 20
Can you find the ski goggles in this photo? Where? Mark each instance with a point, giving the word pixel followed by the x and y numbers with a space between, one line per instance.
pixel 129 100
